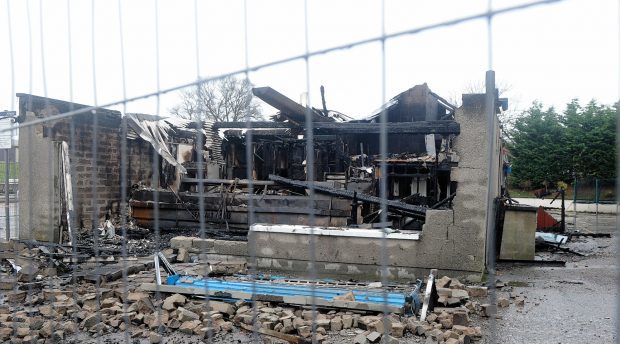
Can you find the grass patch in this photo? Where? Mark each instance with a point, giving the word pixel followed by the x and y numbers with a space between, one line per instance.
pixel 13 170
pixel 520 193
pixel 518 284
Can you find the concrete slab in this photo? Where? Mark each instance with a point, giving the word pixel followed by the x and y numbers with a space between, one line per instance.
pixel 518 235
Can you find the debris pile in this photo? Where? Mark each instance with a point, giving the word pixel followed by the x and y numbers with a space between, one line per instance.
pixel 56 314
pixel 73 306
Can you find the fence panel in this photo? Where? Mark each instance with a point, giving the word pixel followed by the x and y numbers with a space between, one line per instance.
pixel 124 214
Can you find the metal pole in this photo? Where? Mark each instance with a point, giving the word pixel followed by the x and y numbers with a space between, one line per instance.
pixel 562 191
pixel 490 114
pixel 6 193
pixel 596 198
pixel 491 187
pixel 575 205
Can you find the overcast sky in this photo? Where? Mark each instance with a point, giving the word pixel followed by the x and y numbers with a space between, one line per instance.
pixel 552 53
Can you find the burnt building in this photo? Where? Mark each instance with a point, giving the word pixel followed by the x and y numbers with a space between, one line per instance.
pixel 345 157
pixel 304 167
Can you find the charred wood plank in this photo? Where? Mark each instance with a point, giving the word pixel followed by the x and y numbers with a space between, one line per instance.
pixel 420 127
pixel 326 137
pixel 213 200
pixel 285 337
pixel 225 181
pixel 255 125
pixel 446 127
pixel 287 106
pixel 143 210
pixel 259 132
pixel 392 205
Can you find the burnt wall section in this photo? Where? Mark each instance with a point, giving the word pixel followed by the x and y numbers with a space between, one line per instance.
pixel 452 240
pixel 462 242
pixel 95 158
pixel 416 104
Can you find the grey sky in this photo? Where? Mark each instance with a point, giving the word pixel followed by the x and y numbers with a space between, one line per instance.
pixel 552 53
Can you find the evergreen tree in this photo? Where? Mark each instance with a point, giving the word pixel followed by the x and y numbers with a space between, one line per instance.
pixel 548 147
pixel 591 135
pixel 537 144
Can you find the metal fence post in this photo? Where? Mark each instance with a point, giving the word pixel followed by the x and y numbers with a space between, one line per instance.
pixel 491 194
pixel 575 204
pixel 6 193
pixel 596 200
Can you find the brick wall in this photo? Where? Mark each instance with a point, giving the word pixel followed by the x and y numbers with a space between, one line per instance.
pixel 96 164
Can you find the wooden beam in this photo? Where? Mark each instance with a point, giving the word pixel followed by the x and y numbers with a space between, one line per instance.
pixel 68 190
pixel 287 337
pixel 279 101
pixel 392 205
pixel 419 127
pixel 255 125
pixel 446 127
pixel 226 181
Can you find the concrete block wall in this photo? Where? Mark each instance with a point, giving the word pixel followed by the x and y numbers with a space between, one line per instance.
pixel 442 246
pixel 38 202
pixel 452 241
pixel 94 173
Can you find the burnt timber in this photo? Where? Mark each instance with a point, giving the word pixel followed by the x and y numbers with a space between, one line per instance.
pixel 231 211
pixel 445 127
pixel 288 107
pixel 347 167
pixel 405 208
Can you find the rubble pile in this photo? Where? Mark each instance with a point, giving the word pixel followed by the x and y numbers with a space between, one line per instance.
pixel 63 307
pixel 57 314
pixel 138 241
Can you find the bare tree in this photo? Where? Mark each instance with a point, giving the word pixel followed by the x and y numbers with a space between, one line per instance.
pixel 506 117
pixel 224 100
pixel 478 86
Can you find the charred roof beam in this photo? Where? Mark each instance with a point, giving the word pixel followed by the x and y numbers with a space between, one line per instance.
pixel 392 205
pixel 420 127
pixel 288 107
pixel 255 125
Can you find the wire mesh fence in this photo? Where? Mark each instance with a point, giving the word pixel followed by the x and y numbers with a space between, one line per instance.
pixel 133 226
pixel 9 189
pixel 594 190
